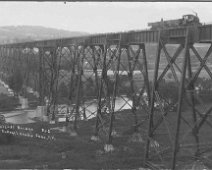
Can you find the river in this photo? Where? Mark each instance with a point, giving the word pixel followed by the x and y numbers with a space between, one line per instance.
pixel 26 116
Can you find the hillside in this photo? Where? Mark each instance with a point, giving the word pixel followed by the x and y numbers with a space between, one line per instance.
pixel 10 34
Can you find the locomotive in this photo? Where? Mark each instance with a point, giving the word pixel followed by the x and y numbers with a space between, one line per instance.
pixel 186 20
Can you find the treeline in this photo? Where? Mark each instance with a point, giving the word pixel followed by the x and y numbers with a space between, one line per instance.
pixel 89 90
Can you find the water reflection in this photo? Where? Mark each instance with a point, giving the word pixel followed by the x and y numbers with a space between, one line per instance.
pixel 90 107
pixel 20 117
pixel 24 117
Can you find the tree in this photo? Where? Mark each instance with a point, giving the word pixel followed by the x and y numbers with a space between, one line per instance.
pixel 63 90
pixel 15 81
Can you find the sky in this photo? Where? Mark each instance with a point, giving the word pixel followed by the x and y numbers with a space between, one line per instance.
pixel 98 17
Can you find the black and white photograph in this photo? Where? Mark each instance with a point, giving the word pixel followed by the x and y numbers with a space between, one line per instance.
pixel 105 85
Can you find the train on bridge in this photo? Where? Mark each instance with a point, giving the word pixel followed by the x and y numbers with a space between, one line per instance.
pixel 175 31
pixel 186 20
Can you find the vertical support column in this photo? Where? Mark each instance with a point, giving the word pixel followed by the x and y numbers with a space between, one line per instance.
pixel 191 95
pixel 14 71
pixel 130 76
pixel 73 51
pixel 9 54
pixel 146 76
pixel 155 86
pixel 54 56
pixel 95 63
pixel 4 64
pixel 57 62
pixel 11 66
pixel 51 58
pixel 1 62
pixel 99 107
pixel 28 69
pixel 114 94
pixel 180 99
pixel 7 64
pixel 107 95
pixel 52 75
pixel 79 85
pixel 25 70
pixel 41 76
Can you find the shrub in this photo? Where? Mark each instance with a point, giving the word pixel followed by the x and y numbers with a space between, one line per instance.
pixel 205 89
pixel 8 102
pixel 169 91
pixel 63 90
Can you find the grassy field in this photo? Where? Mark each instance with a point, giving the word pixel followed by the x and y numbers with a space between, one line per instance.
pixel 81 153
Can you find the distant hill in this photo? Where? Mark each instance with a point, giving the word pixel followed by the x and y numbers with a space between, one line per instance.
pixel 11 34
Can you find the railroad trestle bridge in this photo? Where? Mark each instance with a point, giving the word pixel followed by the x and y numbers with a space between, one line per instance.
pixel 46 63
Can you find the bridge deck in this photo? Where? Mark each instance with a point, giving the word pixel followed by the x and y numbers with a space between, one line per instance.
pixel 201 34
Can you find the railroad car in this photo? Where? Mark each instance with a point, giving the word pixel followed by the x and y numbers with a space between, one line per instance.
pixel 186 20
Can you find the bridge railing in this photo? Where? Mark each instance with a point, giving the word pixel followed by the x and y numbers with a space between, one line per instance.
pixel 200 34
pixel 205 33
